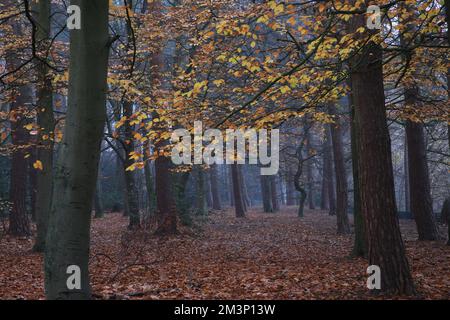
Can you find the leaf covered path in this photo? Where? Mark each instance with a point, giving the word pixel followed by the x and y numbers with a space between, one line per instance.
pixel 264 256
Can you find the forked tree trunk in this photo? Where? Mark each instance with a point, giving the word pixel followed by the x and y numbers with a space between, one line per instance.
pixel 76 169
pixel 376 179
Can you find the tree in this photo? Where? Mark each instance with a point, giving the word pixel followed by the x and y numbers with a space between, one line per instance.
pixel 46 124
pixel 76 167
pixel 343 226
pixel 419 181
pixel 376 181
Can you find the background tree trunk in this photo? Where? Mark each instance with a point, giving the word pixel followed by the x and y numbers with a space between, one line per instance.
pixel 19 223
pixel 216 203
pixel 343 226
pixel 266 194
pixel 238 200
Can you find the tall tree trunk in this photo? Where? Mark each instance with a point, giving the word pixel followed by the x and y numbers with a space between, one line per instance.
pixel 376 179
pixel 76 169
pixel 46 124
pixel 230 183
pixel 237 192
pixel 309 171
pixel 419 181
pixel 216 203
pixel 405 161
pixel 130 176
pixel 129 146
pixel 328 171
pixel 324 200
pixel 19 224
pixel 343 226
pixel 149 181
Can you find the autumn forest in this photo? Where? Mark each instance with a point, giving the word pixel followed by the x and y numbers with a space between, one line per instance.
pixel 224 149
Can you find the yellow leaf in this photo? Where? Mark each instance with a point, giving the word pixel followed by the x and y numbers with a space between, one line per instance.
pixel 38 165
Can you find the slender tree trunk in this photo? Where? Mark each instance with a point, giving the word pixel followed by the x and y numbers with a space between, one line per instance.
pixel 309 172
pixel 130 176
pixel 274 193
pixel 328 171
pixel 216 203
pixel 231 184
pixel 98 203
pixel 149 181
pixel 238 200
pixel 419 183
pixel 76 170
pixel 324 200
pixel 46 124
pixel 376 179
pixel 290 197
pixel 343 226
pixel 407 198
pixel 266 194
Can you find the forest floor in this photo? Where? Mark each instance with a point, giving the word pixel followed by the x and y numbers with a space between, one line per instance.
pixel 264 256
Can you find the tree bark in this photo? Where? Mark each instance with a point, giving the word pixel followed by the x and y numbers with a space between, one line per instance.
pixel 360 244
pixel 76 169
